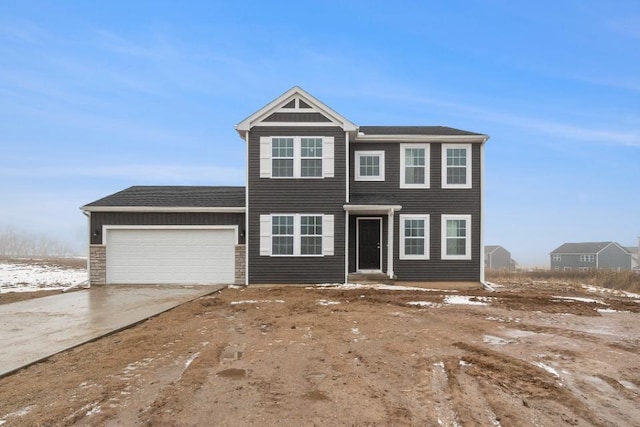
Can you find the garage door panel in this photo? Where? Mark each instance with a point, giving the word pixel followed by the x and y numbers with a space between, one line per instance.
pixel 170 256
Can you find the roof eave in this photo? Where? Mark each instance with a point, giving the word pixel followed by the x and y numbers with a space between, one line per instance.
pixel 218 209
pixel 422 138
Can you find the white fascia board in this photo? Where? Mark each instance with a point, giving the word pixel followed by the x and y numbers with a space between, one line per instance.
pixel 378 208
pixel 421 138
pixel 274 106
pixel 162 209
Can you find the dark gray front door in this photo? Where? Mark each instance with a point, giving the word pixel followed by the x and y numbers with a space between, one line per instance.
pixel 369 244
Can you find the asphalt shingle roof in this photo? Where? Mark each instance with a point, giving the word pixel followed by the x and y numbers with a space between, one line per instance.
pixel 373 199
pixel 174 196
pixel 413 130
pixel 581 248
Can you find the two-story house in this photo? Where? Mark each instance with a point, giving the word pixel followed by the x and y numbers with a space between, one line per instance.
pixel 498 258
pixel 324 198
pixel 586 256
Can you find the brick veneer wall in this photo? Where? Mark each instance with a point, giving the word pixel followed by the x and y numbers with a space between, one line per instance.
pixel 97 265
pixel 240 264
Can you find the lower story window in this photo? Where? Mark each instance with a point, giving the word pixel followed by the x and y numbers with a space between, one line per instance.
pixel 282 235
pixel 414 236
pixel 296 235
pixel 311 235
pixel 456 237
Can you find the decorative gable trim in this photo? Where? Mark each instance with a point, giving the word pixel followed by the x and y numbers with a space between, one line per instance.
pixel 295 100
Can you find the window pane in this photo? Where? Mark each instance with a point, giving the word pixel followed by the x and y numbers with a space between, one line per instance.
pixel 282 147
pixel 369 165
pixel 456 246
pixel 282 245
pixel 414 246
pixel 310 167
pixel 456 157
pixel 456 228
pixel 311 147
pixel 310 245
pixel 282 167
pixel 414 175
pixel 414 228
pixel 311 225
pixel 414 157
pixel 456 175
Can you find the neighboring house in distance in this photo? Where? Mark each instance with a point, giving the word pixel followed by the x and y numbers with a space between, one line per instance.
pixel 324 198
pixel 635 260
pixel 590 256
pixel 498 258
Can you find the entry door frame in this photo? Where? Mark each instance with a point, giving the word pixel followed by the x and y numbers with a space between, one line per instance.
pixel 367 218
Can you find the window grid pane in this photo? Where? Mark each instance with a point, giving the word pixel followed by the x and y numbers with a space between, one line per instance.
pixel 456 237
pixel 282 157
pixel 414 166
pixel 311 157
pixel 457 166
pixel 414 237
pixel 282 235
pixel 311 235
pixel 369 165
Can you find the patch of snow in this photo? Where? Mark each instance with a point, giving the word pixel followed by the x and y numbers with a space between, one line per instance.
pixel 235 287
pixel 629 385
pixel 611 310
pixel 424 303
pixel 580 299
pixel 95 410
pixel 465 300
pixel 355 331
pixel 501 319
pixel 376 286
pixel 547 368
pixel 325 302
pixel 30 278
pixel 464 363
pixel 493 340
pixel 191 359
pixel 596 289
pixel 253 301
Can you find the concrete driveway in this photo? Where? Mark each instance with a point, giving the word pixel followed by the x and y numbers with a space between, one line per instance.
pixel 35 329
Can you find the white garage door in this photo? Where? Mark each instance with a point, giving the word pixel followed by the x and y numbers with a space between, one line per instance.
pixel 170 256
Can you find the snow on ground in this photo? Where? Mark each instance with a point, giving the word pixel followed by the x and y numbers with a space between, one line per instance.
pixel 29 278
pixel 595 289
pixel 378 286
pixel 251 301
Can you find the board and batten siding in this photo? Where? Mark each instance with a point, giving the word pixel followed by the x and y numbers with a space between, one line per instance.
pixel 435 201
pixel 291 196
pixel 100 219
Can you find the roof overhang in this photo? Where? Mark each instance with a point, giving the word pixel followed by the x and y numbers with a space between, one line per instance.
pixel 257 118
pixel 422 138
pixel 163 209
pixel 371 209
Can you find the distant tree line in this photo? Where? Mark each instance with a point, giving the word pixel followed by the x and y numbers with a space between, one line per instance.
pixel 17 243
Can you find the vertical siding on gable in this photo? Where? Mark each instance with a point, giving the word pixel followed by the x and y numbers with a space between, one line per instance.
pixel 288 195
pixel 434 201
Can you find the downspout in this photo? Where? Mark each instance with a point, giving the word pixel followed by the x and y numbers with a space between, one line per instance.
pixel 346 214
pixel 87 283
pixel 484 283
pixel 246 212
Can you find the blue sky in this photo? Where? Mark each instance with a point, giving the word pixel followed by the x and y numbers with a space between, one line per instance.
pixel 98 96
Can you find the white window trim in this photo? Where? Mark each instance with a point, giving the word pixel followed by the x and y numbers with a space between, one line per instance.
pixel 556 258
pixel 380 155
pixel 427 166
pixel 404 217
pixel 444 165
pixel 266 244
pixel 443 240
pixel 328 159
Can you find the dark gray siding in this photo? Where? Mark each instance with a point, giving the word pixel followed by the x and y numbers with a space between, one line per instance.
pixel 297 117
pixel 434 201
pixel 322 196
pixel 615 258
pixel 98 219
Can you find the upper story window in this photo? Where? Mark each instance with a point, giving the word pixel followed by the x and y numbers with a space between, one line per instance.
pixel 456 236
pixel 414 165
pixel 369 166
pixel 587 258
pixel 296 157
pixel 556 258
pixel 456 165
pixel 282 157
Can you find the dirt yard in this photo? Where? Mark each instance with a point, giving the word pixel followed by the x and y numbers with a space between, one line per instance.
pixel 527 355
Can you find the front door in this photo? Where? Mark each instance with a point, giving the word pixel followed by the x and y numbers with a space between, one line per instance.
pixel 369 243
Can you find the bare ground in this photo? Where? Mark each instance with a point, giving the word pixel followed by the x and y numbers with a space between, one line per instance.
pixel 298 356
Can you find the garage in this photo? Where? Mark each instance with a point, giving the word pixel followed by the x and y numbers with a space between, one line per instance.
pixel 170 255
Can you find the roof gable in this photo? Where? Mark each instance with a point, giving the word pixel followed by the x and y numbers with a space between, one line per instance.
pixel 297 102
